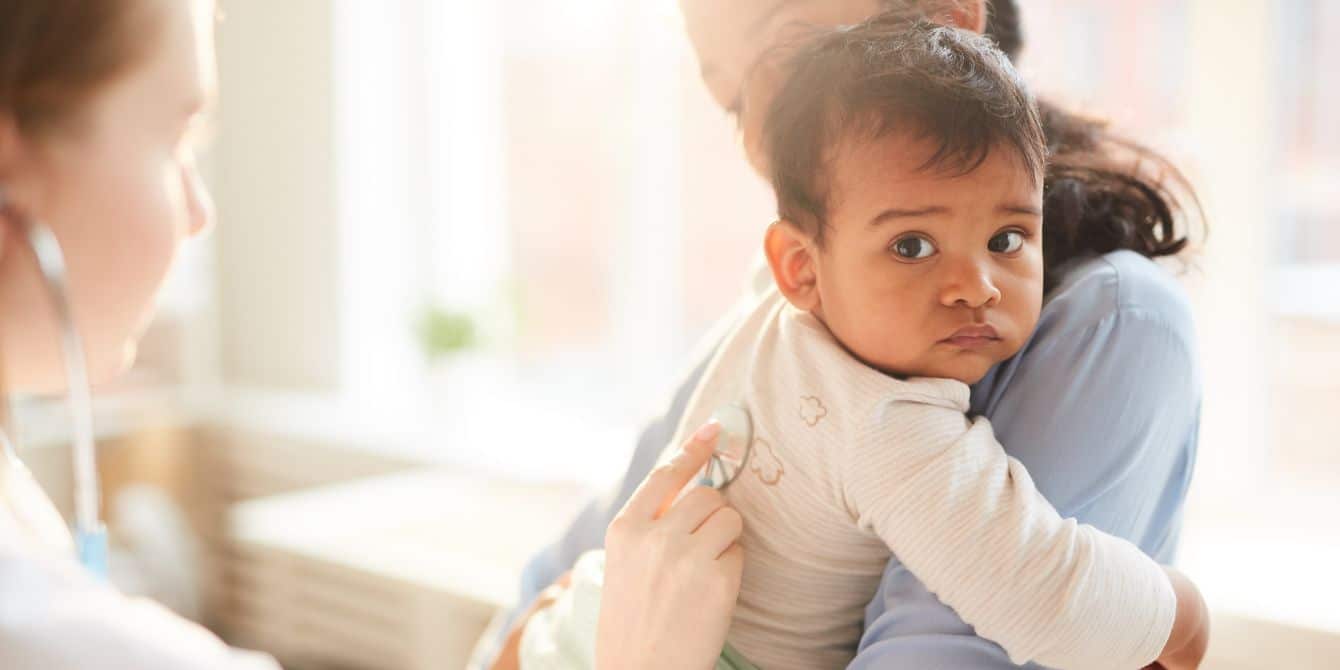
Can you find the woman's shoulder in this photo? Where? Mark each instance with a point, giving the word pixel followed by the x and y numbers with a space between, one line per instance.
pixel 1117 288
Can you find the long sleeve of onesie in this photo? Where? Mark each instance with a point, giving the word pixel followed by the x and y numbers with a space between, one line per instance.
pixel 967 520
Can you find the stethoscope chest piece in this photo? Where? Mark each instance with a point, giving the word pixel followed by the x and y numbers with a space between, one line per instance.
pixel 734 444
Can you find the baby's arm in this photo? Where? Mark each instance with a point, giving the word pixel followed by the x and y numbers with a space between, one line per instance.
pixel 966 519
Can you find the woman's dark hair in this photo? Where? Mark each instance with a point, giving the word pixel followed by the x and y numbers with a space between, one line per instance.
pixel 947 86
pixel 1003 26
pixel 1103 192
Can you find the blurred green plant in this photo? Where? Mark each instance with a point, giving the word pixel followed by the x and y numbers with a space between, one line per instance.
pixel 442 332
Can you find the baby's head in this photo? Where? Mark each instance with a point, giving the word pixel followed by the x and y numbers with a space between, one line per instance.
pixel 908 163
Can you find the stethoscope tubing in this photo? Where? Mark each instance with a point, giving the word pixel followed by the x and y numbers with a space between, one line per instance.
pixel 90 534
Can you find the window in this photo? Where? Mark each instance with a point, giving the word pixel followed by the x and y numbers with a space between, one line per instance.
pixel 1308 157
pixel 556 174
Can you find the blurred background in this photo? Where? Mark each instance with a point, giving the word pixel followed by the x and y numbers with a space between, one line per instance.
pixel 465 249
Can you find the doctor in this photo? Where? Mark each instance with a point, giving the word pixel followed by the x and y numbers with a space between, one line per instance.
pixel 99 105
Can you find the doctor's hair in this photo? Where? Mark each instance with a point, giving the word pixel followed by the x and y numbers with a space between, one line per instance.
pixel 1103 191
pixel 890 76
pixel 55 55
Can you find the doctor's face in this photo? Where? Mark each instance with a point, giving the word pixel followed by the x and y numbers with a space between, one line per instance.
pixel 117 183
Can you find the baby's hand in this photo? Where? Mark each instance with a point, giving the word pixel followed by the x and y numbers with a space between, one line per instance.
pixel 1191 629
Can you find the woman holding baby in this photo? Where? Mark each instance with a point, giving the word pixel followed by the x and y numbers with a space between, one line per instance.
pixel 1097 397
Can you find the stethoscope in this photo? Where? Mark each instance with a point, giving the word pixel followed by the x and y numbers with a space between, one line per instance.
pixel 90 535
pixel 734 445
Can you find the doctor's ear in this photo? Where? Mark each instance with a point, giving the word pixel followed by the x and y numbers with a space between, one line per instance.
pixel 793 257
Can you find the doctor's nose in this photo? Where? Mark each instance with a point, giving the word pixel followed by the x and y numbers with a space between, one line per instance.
pixel 968 284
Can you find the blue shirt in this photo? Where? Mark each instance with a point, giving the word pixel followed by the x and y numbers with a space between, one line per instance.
pixel 1101 405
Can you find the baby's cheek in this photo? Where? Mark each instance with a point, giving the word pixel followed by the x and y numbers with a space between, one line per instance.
pixel 894 341
pixel 1025 304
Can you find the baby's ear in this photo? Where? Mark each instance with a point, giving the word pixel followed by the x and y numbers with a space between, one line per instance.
pixel 966 14
pixel 792 256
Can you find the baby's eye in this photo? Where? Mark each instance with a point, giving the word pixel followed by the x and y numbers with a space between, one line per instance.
pixel 1006 242
pixel 913 248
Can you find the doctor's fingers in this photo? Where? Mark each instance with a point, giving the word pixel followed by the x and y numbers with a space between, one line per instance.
pixel 692 510
pixel 720 533
pixel 658 491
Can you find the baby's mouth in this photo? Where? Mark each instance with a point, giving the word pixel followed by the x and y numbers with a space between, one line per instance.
pixel 973 337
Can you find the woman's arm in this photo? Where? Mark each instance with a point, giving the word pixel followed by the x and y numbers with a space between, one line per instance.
pixel 1112 362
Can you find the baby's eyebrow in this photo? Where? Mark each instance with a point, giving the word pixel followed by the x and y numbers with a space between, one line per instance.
pixel 895 213
pixel 1027 210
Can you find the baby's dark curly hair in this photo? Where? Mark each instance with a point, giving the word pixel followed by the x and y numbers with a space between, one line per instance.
pixel 885 76
pixel 1101 191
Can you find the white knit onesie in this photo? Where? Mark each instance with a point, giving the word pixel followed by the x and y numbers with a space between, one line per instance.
pixel 849 463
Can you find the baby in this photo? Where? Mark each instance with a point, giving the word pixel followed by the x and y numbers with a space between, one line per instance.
pixel 908 164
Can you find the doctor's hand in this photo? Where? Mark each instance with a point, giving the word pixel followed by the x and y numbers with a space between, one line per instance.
pixel 672 570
